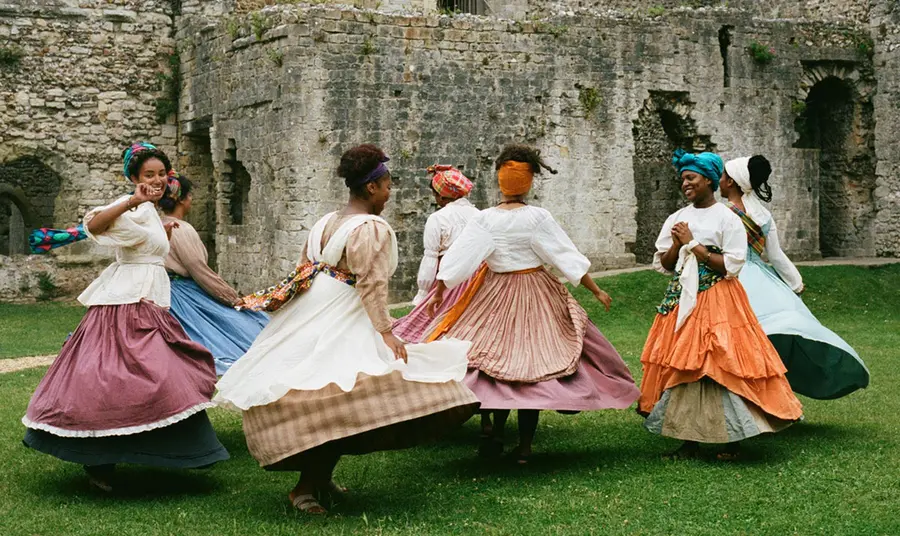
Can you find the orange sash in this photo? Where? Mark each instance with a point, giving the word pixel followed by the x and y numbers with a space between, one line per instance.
pixel 452 316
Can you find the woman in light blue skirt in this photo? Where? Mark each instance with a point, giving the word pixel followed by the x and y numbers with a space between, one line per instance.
pixel 820 364
pixel 201 301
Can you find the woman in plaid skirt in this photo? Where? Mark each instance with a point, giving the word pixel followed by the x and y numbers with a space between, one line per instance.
pixel 327 377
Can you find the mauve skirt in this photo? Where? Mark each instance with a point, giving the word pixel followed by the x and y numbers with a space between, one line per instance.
pixel 129 386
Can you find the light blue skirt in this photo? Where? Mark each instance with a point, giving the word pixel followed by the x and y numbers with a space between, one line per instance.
pixel 227 333
pixel 820 364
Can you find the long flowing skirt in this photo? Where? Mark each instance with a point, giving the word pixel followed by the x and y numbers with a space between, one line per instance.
pixel 128 386
pixel 819 363
pixel 721 342
pixel 227 333
pixel 413 326
pixel 319 374
pixel 533 347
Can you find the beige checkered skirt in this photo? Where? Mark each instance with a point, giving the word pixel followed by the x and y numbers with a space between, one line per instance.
pixel 380 413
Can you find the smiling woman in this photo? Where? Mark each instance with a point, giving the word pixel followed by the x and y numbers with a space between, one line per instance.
pixel 129 386
pixel 710 373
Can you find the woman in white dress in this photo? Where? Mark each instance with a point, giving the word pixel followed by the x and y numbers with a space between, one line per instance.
pixel 820 364
pixel 450 188
pixel 327 377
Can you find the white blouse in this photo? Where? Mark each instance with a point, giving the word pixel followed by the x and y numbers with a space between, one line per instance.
pixel 442 228
pixel 774 254
pixel 712 226
pixel 141 248
pixel 509 241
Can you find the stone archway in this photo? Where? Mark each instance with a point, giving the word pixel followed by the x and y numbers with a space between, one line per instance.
pixel 838 121
pixel 28 191
pixel 663 125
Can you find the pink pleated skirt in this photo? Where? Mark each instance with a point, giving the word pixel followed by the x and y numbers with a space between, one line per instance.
pixel 412 327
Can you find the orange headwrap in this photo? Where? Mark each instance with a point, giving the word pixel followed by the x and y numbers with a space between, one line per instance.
pixel 515 177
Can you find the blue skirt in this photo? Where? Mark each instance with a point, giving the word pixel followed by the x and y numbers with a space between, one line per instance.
pixel 820 364
pixel 227 333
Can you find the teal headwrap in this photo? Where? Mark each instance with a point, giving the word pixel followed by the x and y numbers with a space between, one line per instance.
pixel 709 165
pixel 131 151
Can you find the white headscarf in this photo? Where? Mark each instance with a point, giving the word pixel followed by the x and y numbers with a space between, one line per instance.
pixel 739 170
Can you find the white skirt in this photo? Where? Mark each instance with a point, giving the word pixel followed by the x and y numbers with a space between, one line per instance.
pixel 322 337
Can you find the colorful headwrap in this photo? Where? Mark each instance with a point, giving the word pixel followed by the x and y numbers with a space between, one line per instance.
pixel 707 164
pixel 133 150
pixel 379 171
pixel 449 182
pixel 515 178
pixel 173 186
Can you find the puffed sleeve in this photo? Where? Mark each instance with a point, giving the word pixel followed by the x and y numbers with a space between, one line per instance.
pixel 663 243
pixel 124 231
pixel 429 265
pixel 554 247
pixel 734 243
pixel 368 252
pixel 187 248
pixel 780 261
pixel 473 246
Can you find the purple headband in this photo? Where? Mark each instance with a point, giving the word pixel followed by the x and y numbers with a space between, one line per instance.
pixel 379 171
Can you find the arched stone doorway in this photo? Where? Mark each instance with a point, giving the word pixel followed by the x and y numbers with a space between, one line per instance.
pixel 28 191
pixel 663 125
pixel 838 121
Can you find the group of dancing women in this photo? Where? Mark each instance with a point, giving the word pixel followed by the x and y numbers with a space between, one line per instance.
pixel 319 369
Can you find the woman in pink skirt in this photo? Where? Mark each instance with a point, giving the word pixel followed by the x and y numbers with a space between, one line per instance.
pixel 129 386
pixel 450 188
pixel 534 347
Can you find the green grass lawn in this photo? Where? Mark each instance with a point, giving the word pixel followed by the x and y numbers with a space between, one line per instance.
pixel 36 328
pixel 838 472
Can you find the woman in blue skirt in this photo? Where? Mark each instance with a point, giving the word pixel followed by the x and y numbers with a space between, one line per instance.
pixel 201 300
pixel 820 364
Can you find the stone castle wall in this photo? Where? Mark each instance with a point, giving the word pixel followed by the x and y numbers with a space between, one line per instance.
pixel 285 90
pixel 84 87
pixel 269 99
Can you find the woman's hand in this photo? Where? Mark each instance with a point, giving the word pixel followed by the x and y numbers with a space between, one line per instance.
pixel 434 304
pixel 682 233
pixel 142 194
pixel 396 345
pixel 169 226
pixel 603 298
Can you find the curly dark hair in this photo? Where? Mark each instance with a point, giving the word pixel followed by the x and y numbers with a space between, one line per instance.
pixel 358 162
pixel 138 160
pixel 760 169
pixel 167 203
pixel 518 152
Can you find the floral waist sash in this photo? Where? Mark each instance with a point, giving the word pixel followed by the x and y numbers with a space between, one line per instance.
pixel 708 278
pixel 298 281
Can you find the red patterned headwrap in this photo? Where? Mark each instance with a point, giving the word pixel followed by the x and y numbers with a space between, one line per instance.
pixel 449 182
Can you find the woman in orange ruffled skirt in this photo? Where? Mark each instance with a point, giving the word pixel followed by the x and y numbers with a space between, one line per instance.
pixel 710 373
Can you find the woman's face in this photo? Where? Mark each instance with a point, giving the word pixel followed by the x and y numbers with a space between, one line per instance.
pixel 379 193
pixel 154 174
pixel 695 186
pixel 726 185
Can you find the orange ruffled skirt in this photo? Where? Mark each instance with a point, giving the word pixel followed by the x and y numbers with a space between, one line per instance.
pixel 721 341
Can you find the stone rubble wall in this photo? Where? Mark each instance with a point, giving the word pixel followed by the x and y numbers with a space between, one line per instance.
pixel 289 88
pixel 85 87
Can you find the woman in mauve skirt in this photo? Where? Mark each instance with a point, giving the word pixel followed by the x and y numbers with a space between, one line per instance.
pixel 129 386
pixel 533 346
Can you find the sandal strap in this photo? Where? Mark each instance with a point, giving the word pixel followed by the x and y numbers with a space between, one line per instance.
pixel 306 502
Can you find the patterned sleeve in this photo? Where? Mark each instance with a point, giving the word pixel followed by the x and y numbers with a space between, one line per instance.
pixel 368 252
pixel 554 247
pixel 124 231
pixel 780 261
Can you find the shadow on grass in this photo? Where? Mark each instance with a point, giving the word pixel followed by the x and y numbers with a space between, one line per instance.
pixel 130 483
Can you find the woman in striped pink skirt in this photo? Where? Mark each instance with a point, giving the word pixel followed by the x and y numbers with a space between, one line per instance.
pixel 533 346
pixel 450 188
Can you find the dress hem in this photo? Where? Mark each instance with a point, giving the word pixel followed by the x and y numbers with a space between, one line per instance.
pixel 127 430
